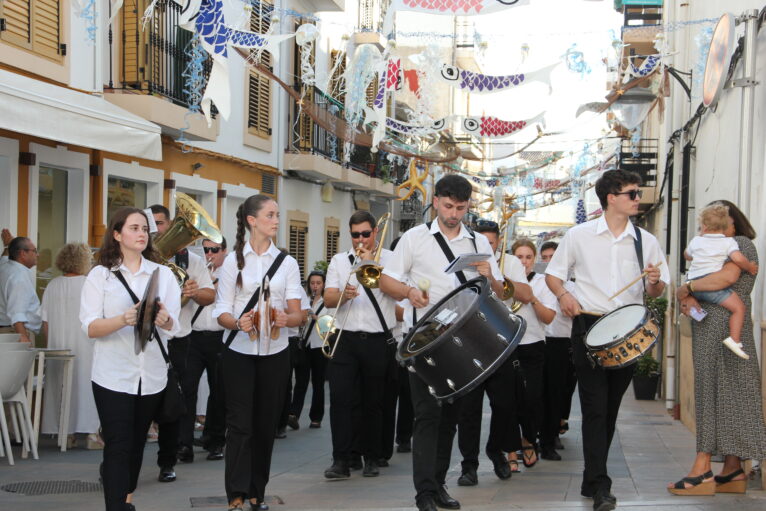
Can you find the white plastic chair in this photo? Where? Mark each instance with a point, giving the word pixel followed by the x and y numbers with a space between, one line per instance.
pixel 14 369
pixel 14 346
pixel 6 337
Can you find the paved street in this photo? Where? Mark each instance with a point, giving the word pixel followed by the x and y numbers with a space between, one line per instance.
pixel 650 449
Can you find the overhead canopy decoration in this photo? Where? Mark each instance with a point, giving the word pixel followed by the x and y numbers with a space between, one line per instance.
pixel 449 7
pixel 479 83
pixel 481 126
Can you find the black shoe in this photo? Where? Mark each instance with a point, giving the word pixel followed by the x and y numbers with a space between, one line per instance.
pixel 558 445
pixel 338 470
pixel 185 454
pixel 261 506
pixel 215 454
pixel 129 506
pixel 405 447
pixel 468 477
pixel 382 462
pixel 604 501
pixel 500 464
pixel 426 504
pixel 198 442
pixel 280 433
pixel 292 421
pixel 355 463
pixel 444 500
pixel 549 453
pixel 167 475
pixel 370 469
pixel 315 424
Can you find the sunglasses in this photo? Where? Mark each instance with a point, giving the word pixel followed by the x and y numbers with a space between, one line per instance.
pixel 486 223
pixel 632 194
pixel 214 250
pixel 364 234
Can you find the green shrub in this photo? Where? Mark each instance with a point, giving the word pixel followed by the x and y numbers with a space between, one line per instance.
pixel 647 366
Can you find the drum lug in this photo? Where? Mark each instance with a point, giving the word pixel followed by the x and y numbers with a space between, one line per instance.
pixel 478 364
pixel 430 361
pixel 646 332
pixel 457 341
pixel 502 339
pixel 451 384
pixel 482 316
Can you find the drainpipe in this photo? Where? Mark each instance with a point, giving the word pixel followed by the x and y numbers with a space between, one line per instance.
pixel 748 83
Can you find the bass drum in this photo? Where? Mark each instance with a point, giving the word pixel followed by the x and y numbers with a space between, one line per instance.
pixel 462 340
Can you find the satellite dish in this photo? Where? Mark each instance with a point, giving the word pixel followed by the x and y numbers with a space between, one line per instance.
pixel 718 60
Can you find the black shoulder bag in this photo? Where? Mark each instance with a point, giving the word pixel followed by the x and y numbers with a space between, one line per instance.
pixel 173 403
pixel 251 303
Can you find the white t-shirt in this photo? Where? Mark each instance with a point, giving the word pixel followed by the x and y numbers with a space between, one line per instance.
pixel 535 328
pixel 709 252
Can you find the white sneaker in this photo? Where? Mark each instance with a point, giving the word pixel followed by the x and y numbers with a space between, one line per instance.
pixel 736 347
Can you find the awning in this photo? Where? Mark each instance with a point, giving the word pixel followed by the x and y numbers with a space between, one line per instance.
pixel 48 111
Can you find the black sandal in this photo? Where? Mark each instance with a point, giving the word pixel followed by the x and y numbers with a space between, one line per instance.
pixel 727 484
pixel 698 485
pixel 524 456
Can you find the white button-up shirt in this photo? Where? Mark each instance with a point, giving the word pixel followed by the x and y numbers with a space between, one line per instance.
pixel 314 341
pixel 418 256
pixel 115 364
pixel 361 315
pixel 205 321
pixel 305 306
pixel 18 300
pixel 535 331
pixel 561 326
pixel 285 285
pixel 603 264
pixel 198 272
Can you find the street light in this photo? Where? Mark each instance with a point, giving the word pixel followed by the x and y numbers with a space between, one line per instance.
pixel 633 106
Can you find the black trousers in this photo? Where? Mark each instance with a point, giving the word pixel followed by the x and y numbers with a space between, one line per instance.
pixel 168 434
pixel 432 436
pixel 314 370
pixel 600 397
pixel 557 362
pixel 532 359
pixel 571 385
pixel 404 414
pixel 203 354
pixel 125 420
pixel 297 359
pixel 255 388
pixel 390 396
pixel 358 368
pixel 501 390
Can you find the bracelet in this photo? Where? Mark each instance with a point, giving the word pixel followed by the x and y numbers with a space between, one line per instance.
pixel 534 302
pixel 689 285
pixel 562 294
pixel 237 324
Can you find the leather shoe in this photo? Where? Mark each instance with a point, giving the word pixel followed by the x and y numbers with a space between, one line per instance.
pixel 185 454
pixel 370 469
pixel 444 500
pixel 355 463
pixel 167 475
pixel 315 425
pixel 604 501
pixel 549 453
pixel 426 504
pixel 129 506
pixel 280 433
pixel 215 454
pixel 500 464
pixel 558 445
pixel 405 447
pixel 292 421
pixel 468 477
pixel 338 470
pixel 382 462
pixel 261 506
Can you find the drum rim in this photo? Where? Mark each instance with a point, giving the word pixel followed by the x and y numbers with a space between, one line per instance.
pixel 404 355
pixel 631 333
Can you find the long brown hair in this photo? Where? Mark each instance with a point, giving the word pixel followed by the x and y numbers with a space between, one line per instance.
pixel 110 254
pixel 250 207
pixel 524 242
pixel 742 225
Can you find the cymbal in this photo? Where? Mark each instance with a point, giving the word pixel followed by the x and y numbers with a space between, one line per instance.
pixel 147 313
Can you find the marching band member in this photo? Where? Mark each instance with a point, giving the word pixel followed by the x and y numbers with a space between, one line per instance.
pixel 127 387
pixel 360 360
pixel 255 371
pixel 419 257
pixel 298 362
pixel 175 438
pixel 604 256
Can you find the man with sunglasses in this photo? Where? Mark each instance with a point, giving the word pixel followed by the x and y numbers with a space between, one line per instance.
pixel 605 255
pixel 357 372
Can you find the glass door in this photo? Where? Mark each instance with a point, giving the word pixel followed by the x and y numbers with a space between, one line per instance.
pixel 51 222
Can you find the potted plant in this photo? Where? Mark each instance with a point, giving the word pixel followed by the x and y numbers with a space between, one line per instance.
pixel 646 378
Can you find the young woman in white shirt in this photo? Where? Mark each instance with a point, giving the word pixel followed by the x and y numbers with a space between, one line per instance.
pixel 255 371
pixel 127 387
pixel 531 351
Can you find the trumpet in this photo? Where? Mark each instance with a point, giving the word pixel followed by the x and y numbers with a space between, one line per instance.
pixel 368 273
pixel 508 287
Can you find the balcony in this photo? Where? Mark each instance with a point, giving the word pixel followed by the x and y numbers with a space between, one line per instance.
pixel 370 23
pixel 315 153
pixel 642 20
pixel 152 62
pixel 644 163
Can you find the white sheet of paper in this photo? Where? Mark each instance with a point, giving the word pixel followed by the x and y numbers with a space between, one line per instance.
pixel 462 262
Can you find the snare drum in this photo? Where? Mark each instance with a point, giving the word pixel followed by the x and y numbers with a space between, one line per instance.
pixel 619 338
pixel 462 340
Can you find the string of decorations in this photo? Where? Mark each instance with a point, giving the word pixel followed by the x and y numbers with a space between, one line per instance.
pixel 194 85
pixel 87 12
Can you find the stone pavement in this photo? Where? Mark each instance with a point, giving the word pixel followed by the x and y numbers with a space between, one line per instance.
pixel 649 450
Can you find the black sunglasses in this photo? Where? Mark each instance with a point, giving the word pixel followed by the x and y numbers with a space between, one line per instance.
pixel 632 194
pixel 214 250
pixel 365 234
pixel 486 223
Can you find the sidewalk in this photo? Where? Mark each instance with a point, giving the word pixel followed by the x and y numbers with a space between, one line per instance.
pixel 649 450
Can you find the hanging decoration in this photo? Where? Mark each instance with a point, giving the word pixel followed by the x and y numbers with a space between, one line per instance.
pixel 480 126
pixel 448 7
pixel 194 84
pixel 575 61
pixel 305 37
pixel 479 83
pixel 580 217
pixel 414 182
pixel 86 10
pixel 649 64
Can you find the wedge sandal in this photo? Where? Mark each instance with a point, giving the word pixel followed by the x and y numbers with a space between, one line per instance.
pixel 699 487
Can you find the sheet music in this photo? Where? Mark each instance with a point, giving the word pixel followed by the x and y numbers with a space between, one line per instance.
pixel 462 262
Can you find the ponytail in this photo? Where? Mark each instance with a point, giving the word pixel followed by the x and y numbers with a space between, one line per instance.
pixel 239 245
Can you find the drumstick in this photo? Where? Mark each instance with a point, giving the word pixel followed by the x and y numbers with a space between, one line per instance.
pixel 644 274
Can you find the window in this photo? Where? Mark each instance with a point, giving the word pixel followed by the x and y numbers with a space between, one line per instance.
pixel 331 237
pixel 124 192
pixel 34 25
pixel 259 87
pixel 298 243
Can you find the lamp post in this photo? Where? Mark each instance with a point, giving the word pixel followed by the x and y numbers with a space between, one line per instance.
pixel 633 106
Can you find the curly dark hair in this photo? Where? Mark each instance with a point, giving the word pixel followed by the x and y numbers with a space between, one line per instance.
pixel 110 254
pixel 612 181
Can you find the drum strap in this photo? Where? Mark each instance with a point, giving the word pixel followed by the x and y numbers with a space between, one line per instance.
pixel 448 252
pixel 270 273
pixel 639 252
pixel 374 301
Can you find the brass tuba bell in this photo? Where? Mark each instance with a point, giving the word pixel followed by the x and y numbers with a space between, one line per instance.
pixel 508 287
pixel 368 273
pixel 190 224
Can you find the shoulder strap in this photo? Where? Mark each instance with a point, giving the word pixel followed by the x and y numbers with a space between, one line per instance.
pixel 304 341
pixel 373 300
pixel 270 273
pixel 639 252
pixel 135 299
pixel 449 255
pixel 199 309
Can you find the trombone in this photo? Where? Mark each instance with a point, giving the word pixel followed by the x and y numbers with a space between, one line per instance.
pixel 368 274
pixel 508 287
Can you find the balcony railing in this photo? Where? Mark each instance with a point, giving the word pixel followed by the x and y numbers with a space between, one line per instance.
pixel 643 160
pixel 153 59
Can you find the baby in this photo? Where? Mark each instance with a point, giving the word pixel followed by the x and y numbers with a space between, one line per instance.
pixel 708 253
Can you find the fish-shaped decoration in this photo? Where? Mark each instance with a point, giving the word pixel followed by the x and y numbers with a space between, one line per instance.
pixel 479 83
pixel 450 7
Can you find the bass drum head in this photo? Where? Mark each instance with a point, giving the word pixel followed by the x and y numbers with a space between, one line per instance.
pixel 444 317
pixel 615 326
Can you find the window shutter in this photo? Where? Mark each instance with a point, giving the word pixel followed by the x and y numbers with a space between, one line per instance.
pixel 268 184
pixel 132 42
pixel 332 238
pixel 297 244
pixel 18 22
pixel 259 87
pixel 46 28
